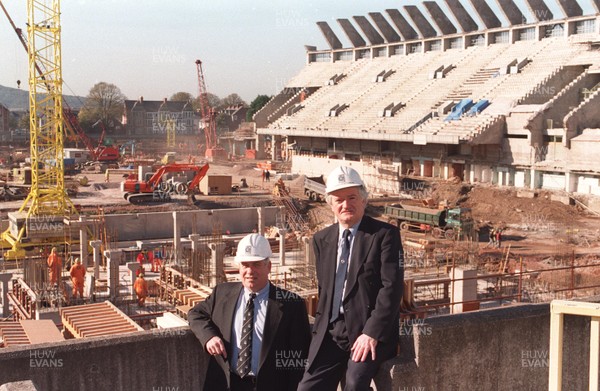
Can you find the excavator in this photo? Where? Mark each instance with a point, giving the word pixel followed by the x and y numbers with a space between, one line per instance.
pixel 159 189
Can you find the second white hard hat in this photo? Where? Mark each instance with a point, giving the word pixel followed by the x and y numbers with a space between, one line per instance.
pixel 341 178
pixel 252 248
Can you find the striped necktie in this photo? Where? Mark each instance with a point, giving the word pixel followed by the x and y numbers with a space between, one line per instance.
pixel 245 355
pixel 340 276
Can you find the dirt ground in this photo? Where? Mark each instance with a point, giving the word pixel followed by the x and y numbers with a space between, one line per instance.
pixel 536 228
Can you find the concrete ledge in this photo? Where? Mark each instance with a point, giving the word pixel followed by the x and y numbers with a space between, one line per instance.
pixel 494 350
pixel 563 199
pixel 526 194
pixel 172 359
pixel 499 349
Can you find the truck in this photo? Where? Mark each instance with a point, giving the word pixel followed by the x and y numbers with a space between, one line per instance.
pixel 314 188
pixel 157 188
pixel 451 223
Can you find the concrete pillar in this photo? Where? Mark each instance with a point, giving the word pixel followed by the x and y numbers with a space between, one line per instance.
pixel 176 238
pixel 195 239
pixel 97 257
pixel 133 268
pixel 282 232
pixel 308 250
pixel 500 178
pixel 261 220
pixel 533 183
pixel 571 182
pixel 216 262
pixel 422 168
pixel 83 242
pixel 4 279
pixel 89 286
pixel 113 260
pixel 446 170
pixel 463 290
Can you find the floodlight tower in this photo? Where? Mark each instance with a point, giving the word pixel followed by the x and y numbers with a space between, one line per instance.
pixel 41 216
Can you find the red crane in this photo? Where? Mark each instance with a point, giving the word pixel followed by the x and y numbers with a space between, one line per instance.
pixel 101 153
pixel 209 118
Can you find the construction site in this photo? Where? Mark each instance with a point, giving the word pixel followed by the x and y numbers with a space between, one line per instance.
pixel 479 144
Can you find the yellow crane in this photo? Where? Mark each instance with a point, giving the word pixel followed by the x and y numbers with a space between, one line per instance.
pixel 41 218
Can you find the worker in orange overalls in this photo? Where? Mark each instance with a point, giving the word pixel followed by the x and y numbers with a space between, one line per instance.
pixel 140 259
pixel 141 289
pixel 77 278
pixel 54 266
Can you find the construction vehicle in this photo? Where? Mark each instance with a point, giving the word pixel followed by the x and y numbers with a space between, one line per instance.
pixel 314 188
pixel 127 148
pixel 449 223
pixel 209 119
pixel 101 153
pixel 159 188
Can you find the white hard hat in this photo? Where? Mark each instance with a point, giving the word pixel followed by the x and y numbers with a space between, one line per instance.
pixel 341 178
pixel 252 248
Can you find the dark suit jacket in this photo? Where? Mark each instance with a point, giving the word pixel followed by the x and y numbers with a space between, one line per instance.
pixel 285 339
pixel 374 283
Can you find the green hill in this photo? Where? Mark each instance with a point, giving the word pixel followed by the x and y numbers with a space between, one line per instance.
pixel 16 99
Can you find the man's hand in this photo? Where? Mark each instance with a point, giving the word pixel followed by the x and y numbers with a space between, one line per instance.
pixel 215 347
pixel 361 348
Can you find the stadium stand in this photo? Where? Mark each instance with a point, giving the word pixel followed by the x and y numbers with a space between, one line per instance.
pixel 535 86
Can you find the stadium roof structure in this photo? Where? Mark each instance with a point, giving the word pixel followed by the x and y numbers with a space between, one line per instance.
pixel 494 93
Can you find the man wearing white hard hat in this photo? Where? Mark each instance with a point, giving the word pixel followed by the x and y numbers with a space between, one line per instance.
pixel 257 334
pixel 360 282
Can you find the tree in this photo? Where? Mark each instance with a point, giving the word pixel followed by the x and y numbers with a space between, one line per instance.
pixel 256 105
pixel 24 122
pixel 213 101
pixel 104 102
pixel 232 100
pixel 181 97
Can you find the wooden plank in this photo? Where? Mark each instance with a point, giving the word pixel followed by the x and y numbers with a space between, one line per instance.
pixel 41 331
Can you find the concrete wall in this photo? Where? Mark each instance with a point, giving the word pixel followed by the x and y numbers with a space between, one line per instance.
pixel 584 153
pixel 144 226
pixel 493 350
pixel 552 86
pixel 499 349
pixel 171 359
pixel 588 185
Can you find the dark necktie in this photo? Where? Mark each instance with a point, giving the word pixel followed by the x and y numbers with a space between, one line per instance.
pixel 340 275
pixel 245 355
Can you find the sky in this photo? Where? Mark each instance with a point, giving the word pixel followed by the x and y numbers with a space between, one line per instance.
pixel 149 48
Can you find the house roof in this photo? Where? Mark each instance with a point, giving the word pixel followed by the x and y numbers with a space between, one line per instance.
pixel 157 105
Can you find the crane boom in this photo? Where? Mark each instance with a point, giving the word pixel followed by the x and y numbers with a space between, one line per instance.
pixel 209 118
pixel 208 114
pixel 71 123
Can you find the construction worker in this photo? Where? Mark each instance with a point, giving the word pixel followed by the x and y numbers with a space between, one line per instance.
pixel 141 289
pixel 140 259
pixel 499 237
pixel 492 238
pixel 106 176
pixel 77 278
pixel 54 266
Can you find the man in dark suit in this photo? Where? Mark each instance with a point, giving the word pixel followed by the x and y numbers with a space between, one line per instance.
pixel 360 281
pixel 256 333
